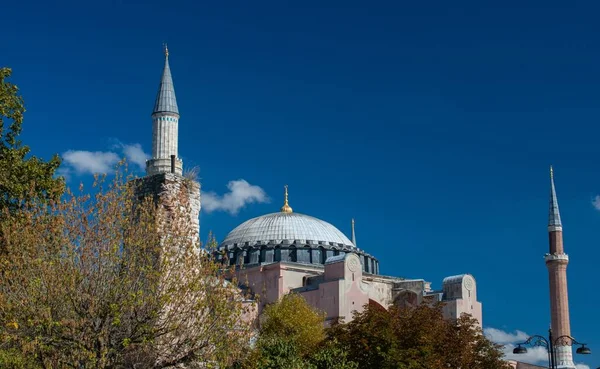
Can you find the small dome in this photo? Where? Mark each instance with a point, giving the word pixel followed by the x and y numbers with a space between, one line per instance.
pixel 280 227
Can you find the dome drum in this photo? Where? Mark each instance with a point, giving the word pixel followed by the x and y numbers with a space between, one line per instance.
pixel 289 237
pixel 248 256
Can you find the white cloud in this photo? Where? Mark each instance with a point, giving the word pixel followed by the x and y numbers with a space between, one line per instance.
pixel 534 355
pixel 240 194
pixel 502 337
pixel 64 172
pixel 133 153
pixel 596 202
pixel 91 162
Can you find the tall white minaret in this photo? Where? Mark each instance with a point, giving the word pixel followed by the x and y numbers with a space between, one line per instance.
pixel 165 123
pixel 556 262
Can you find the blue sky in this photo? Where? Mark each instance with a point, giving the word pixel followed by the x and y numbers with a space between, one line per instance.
pixel 432 123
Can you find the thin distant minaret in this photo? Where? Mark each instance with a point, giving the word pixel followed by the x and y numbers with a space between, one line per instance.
pixel 165 123
pixel 353 234
pixel 556 262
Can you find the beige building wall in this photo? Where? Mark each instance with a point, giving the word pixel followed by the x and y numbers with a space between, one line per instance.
pixel 460 297
pixel 340 288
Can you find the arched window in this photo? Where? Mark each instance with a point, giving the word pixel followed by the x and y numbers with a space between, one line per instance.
pixel 241 257
pixel 254 256
pixel 292 254
pixel 277 254
pixel 315 256
pixel 303 255
pixel 267 254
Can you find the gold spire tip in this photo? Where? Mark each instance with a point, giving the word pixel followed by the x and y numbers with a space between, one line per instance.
pixel 166 50
pixel 286 206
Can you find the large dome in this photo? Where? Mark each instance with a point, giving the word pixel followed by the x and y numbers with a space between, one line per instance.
pixel 278 228
pixel 289 237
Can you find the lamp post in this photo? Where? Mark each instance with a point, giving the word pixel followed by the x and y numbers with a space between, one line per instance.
pixel 550 345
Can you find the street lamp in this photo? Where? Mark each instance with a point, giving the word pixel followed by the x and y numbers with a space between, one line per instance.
pixel 550 345
pixel 583 350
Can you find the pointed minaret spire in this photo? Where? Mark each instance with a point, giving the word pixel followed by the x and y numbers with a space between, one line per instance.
pixel 554 223
pixel 353 234
pixel 286 206
pixel 166 102
pixel 165 126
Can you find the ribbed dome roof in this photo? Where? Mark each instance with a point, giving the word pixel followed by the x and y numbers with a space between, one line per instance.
pixel 278 227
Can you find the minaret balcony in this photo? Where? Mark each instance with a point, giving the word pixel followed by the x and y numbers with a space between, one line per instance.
pixel 556 257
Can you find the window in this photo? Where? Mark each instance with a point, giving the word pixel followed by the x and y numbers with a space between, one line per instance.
pixel 303 255
pixel 292 256
pixel 316 256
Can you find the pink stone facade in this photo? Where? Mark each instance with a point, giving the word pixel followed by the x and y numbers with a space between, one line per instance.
pixel 461 298
pixel 341 287
pixel 520 365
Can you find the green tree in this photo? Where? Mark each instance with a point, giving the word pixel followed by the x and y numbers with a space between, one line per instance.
pixel 293 319
pixel 15 359
pixel 280 353
pixel 113 281
pixel 418 338
pixel 332 356
pixel 22 178
pixel 292 336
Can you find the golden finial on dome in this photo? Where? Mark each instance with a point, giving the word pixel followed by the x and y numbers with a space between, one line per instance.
pixel 166 50
pixel 286 207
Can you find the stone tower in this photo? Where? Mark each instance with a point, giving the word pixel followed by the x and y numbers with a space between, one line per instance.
pixel 165 123
pixel 556 262
pixel 164 170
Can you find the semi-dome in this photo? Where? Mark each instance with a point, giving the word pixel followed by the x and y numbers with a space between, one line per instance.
pixel 281 227
pixel 290 237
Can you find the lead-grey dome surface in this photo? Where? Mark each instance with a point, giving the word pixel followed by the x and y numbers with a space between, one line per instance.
pixel 279 227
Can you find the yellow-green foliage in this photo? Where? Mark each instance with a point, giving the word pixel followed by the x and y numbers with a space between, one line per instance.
pixel 112 281
pixel 294 320
pixel 292 336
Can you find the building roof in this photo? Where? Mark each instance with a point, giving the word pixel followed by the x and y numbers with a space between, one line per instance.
pixel 165 98
pixel 280 227
pixel 454 279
